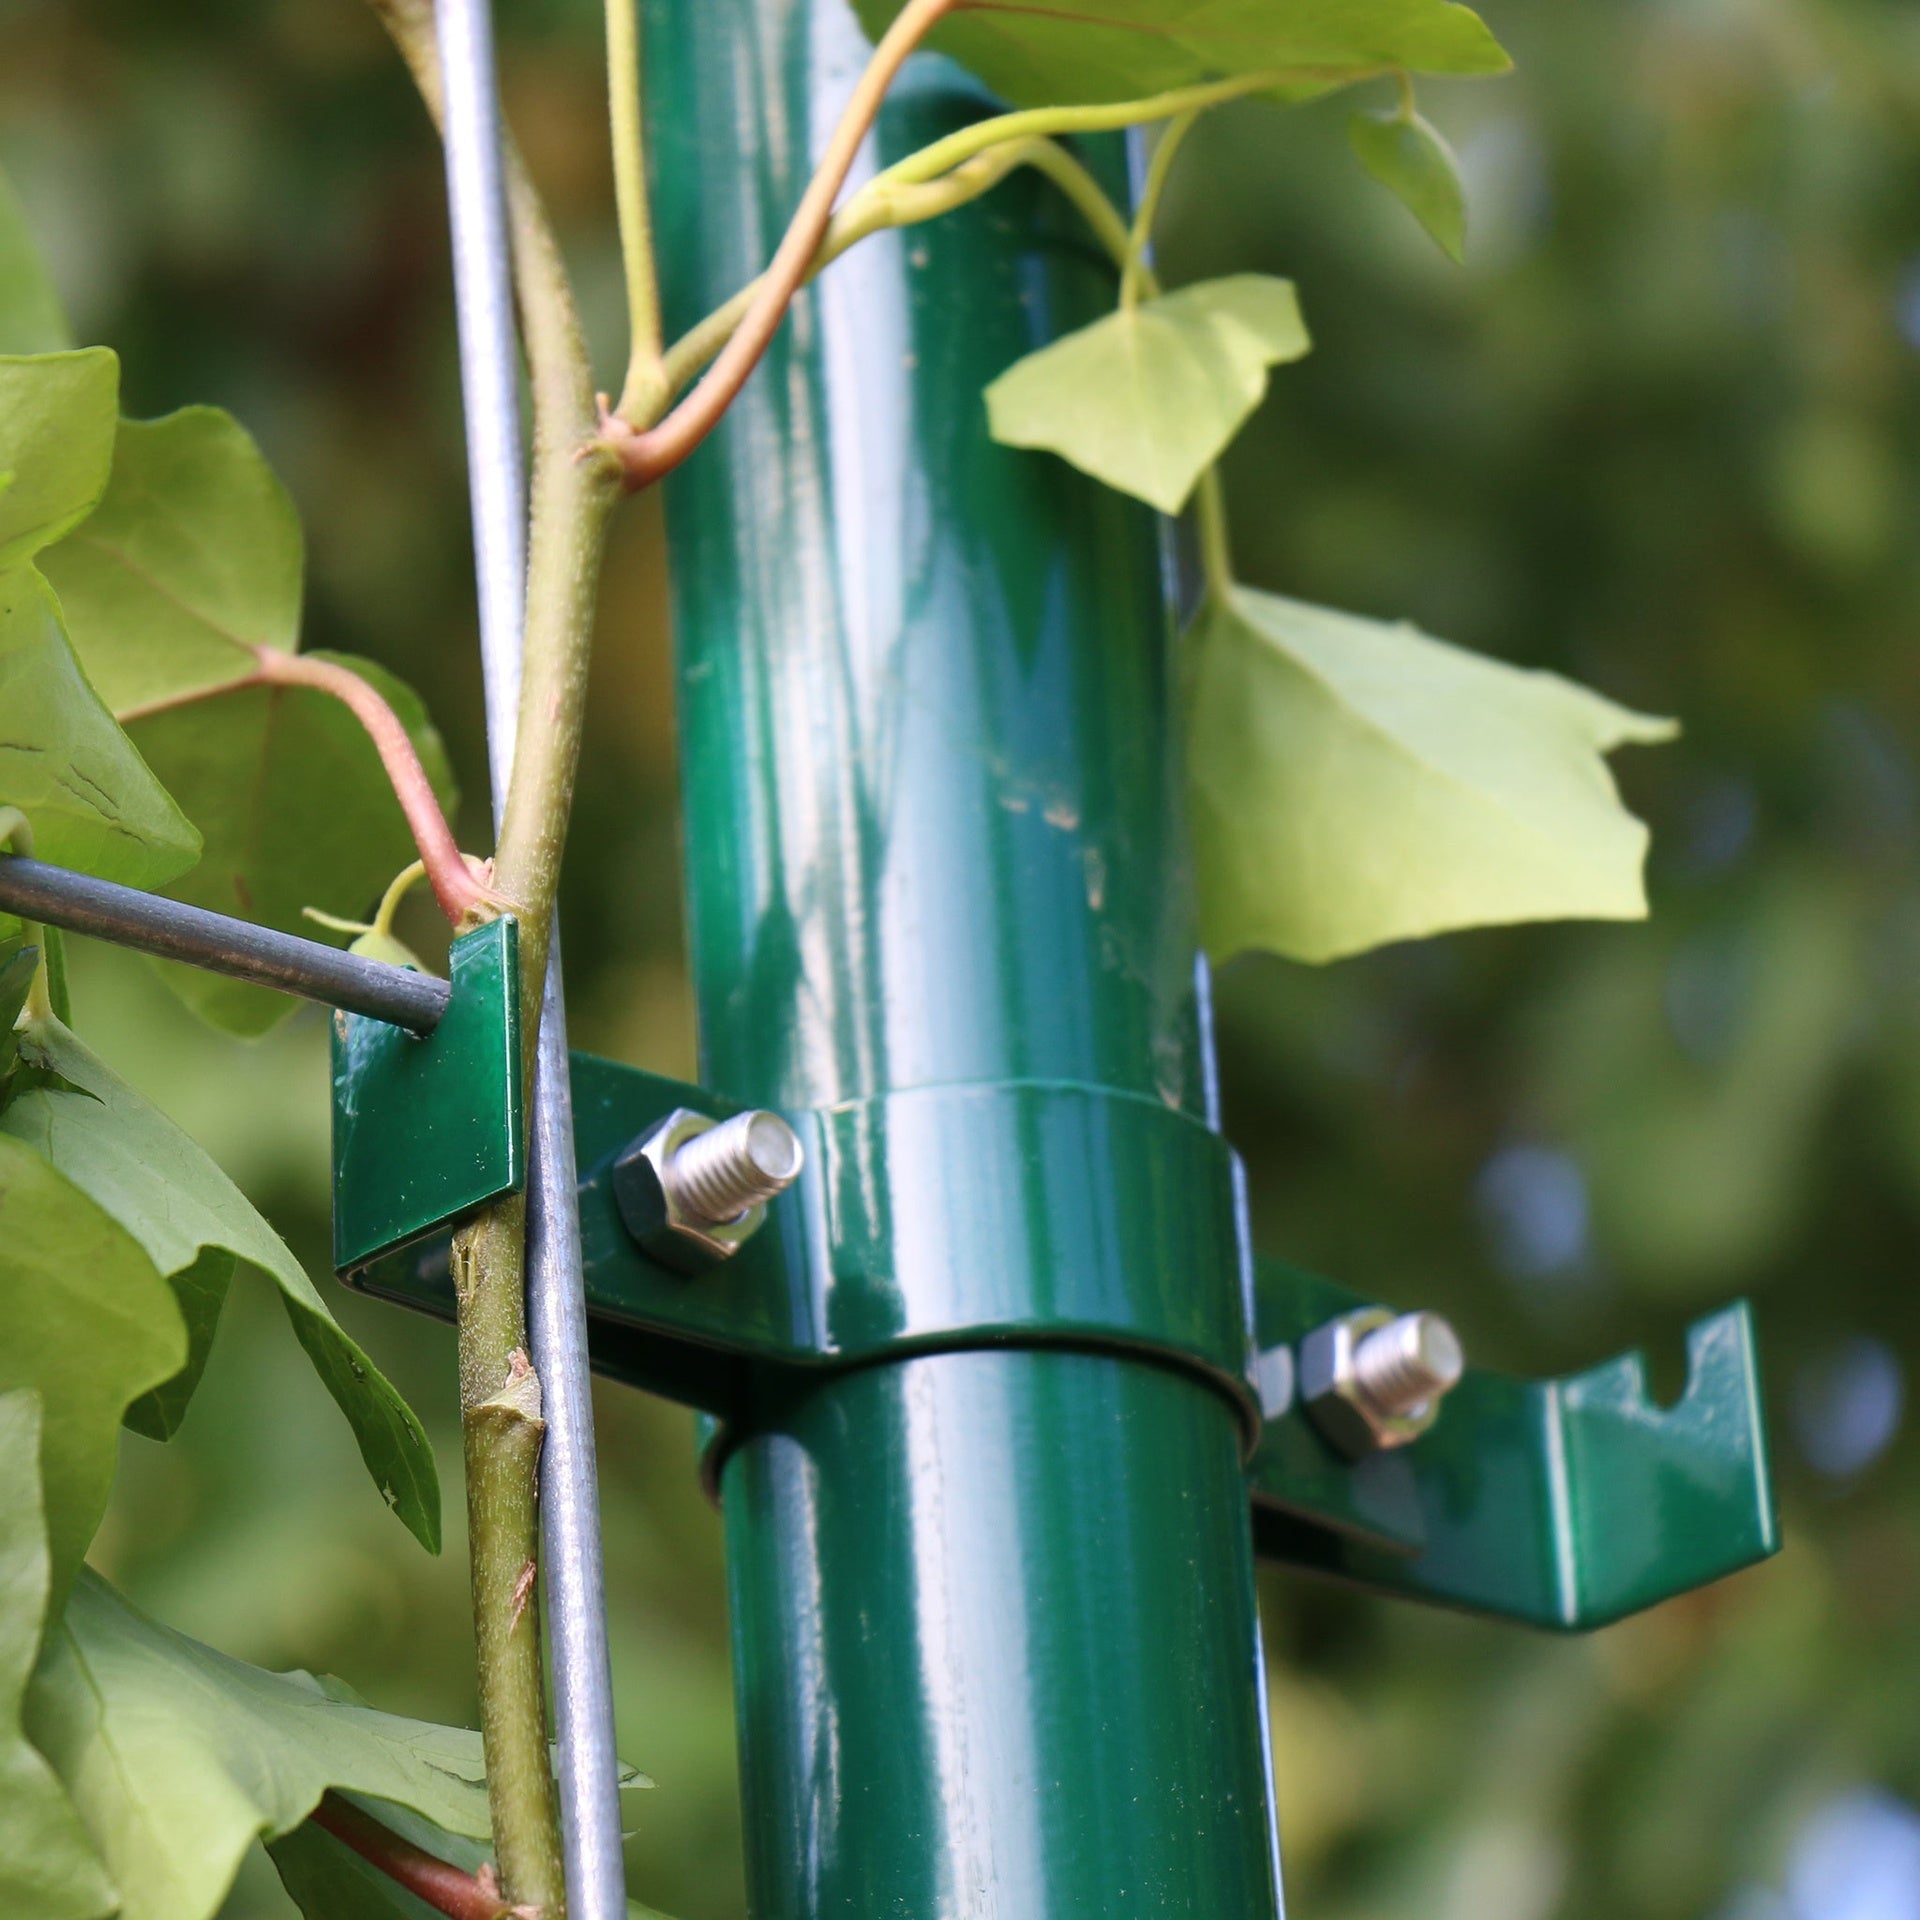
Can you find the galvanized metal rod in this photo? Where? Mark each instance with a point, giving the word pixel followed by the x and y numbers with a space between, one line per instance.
pixel 556 1302
pixel 171 930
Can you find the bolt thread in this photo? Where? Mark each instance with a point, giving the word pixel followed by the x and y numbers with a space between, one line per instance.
pixel 718 1175
pixel 1406 1363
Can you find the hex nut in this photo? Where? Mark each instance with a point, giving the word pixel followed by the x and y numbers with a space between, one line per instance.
pixel 661 1227
pixel 1335 1395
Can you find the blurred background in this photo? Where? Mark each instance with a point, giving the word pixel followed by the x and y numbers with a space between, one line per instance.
pixel 1663 433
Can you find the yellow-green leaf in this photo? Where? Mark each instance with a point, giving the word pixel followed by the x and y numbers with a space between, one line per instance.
pixel 1147 399
pixel 48 1868
pixel 1410 157
pixel 1084 50
pixel 192 557
pixel 90 1326
pixel 194 1223
pixel 1354 783
pixel 56 444
pixel 178 1757
pixel 92 800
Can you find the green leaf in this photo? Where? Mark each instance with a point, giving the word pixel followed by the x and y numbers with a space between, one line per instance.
pixel 1409 157
pixel 296 810
pixel 1354 783
pixel 1087 50
pixel 90 1326
pixel 56 445
pixel 178 1757
pixel 92 800
pixel 192 557
pixel 48 1868
pixel 131 1160
pixel 30 317
pixel 1147 400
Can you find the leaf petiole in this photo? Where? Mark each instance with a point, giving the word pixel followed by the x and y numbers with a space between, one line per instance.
pixel 1137 277
pixel 16 831
pixel 644 393
pixel 885 203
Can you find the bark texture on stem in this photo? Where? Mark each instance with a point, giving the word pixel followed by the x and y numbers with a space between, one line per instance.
pixel 572 495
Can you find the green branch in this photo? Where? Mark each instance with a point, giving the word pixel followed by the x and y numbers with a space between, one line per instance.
pixel 1109 116
pixel 1137 275
pixel 571 497
pixel 885 203
pixel 644 393
pixel 649 454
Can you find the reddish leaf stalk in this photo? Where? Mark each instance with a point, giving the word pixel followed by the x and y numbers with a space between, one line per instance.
pixel 446 1888
pixel 454 885
pixel 652 454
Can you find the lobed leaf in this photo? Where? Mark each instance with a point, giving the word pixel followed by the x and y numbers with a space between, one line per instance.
pixel 194 1224
pixel 192 557
pixel 296 810
pixel 1148 399
pixel 90 1326
pixel 1354 783
pixel 1411 158
pixel 1090 50
pixel 31 320
pixel 48 1868
pixel 92 800
pixel 57 413
pixel 178 1757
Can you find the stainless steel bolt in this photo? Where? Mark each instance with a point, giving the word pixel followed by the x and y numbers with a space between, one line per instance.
pixel 1402 1366
pixel 718 1175
pixel 1373 1379
pixel 693 1190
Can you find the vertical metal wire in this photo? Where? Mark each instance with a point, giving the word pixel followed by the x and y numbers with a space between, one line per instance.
pixel 556 1305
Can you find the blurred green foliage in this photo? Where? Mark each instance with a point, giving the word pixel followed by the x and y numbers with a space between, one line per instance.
pixel 1661 433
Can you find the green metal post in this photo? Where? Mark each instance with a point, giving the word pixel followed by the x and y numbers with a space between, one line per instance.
pixel 993 1607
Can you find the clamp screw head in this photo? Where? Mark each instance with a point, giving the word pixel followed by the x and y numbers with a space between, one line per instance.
pixel 1374 1379
pixel 694 1190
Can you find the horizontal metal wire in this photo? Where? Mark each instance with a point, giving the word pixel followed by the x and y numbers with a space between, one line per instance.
pixel 78 903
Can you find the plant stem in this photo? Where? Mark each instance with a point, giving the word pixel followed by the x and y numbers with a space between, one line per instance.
pixel 16 831
pixel 444 1887
pixel 574 488
pixel 645 393
pixel 459 893
pixel 1140 238
pixel 1216 545
pixel 649 455
pixel 1109 116
pixel 884 203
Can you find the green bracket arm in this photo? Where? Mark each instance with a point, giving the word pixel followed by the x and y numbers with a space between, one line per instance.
pixel 1564 1503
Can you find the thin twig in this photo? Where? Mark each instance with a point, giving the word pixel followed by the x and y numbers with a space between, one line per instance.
pixel 650 454
pixel 1108 116
pixel 1138 269
pixel 885 203
pixel 644 394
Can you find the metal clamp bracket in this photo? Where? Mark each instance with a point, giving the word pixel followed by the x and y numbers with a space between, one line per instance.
pixel 1563 1503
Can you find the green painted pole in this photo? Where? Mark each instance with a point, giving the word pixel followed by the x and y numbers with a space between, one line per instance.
pixel 996 1645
